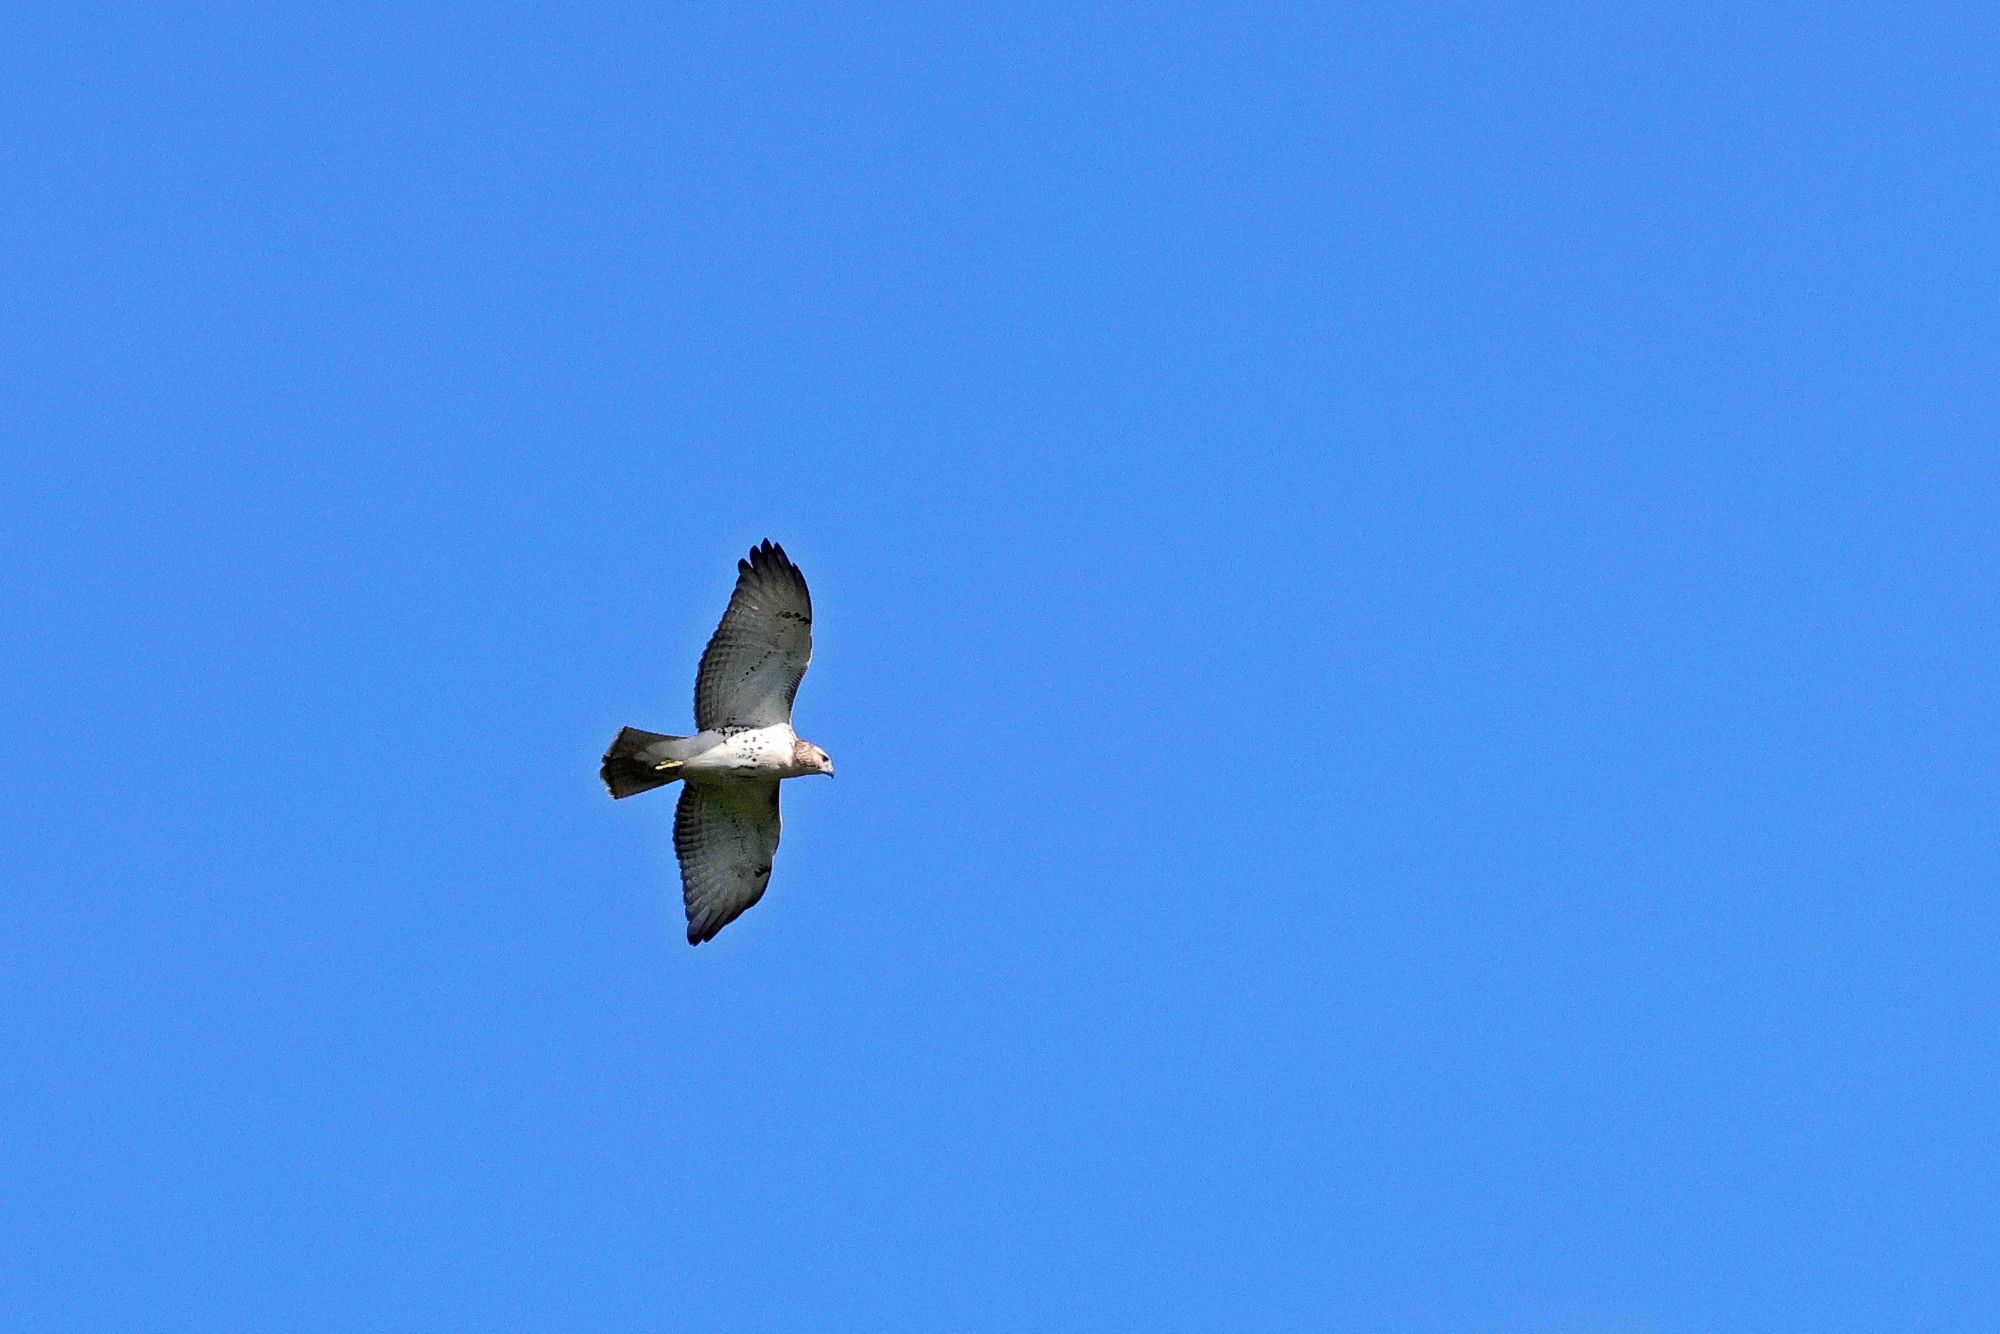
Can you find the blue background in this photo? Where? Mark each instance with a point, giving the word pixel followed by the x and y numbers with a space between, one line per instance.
pixel 1406 613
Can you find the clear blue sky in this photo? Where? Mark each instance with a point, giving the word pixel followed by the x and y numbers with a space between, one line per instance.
pixel 1406 612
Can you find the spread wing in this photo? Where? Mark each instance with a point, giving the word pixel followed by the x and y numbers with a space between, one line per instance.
pixel 725 834
pixel 751 669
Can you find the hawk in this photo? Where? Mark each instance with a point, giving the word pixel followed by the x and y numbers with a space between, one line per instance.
pixel 726 829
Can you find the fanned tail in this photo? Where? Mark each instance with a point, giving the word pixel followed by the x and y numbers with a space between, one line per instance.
pixel 639 762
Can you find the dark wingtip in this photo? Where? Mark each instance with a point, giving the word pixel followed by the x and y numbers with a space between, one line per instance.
pixel 768 560
pixel 769 566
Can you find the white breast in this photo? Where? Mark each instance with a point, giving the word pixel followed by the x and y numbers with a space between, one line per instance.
pixel 752 750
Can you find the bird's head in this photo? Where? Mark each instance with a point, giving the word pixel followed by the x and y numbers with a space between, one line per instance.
pixel 811 759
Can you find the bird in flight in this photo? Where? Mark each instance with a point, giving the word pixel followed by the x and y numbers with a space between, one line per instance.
pixel 726 829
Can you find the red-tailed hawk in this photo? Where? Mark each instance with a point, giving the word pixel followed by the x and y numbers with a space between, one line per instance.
pixel 726 829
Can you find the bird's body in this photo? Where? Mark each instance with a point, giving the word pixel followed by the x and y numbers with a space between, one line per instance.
pixel 726 828
pixel 745 752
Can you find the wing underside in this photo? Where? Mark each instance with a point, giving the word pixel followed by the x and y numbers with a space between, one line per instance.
pixel 725 835
pixel 751 669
